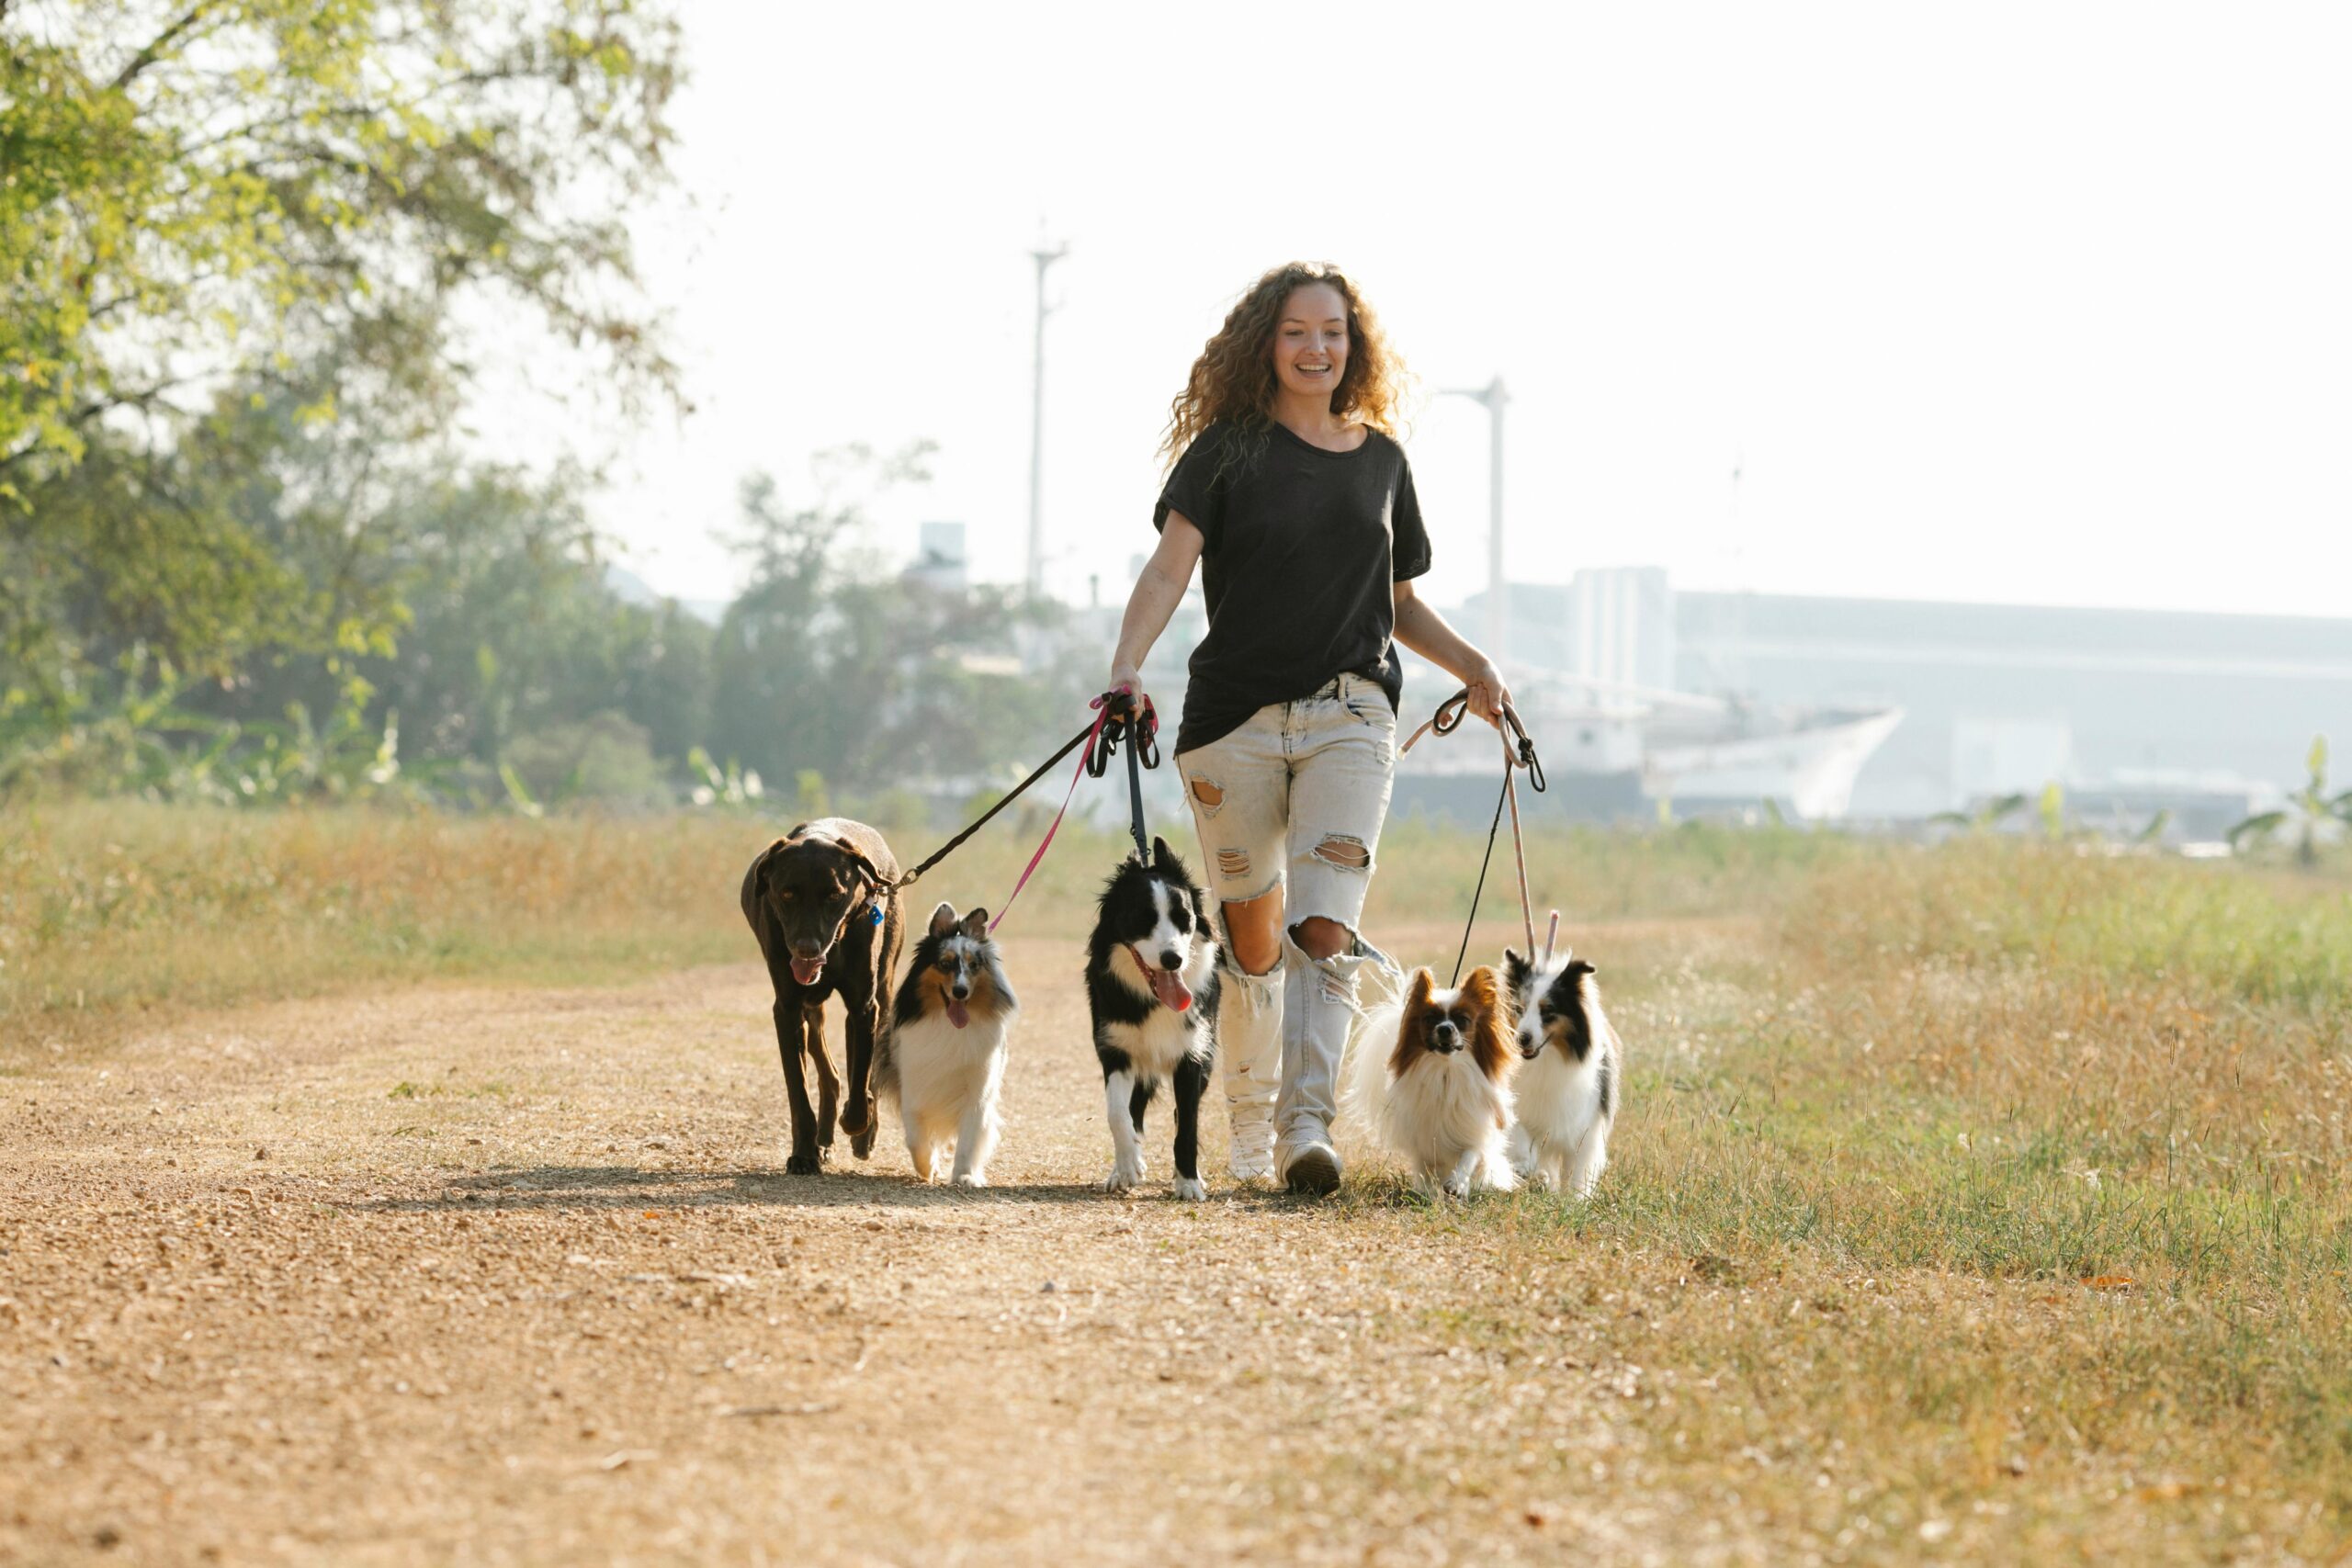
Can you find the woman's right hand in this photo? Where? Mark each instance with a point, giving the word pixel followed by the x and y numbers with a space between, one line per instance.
pixel 1127 676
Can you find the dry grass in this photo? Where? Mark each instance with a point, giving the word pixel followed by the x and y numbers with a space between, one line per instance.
pixel 1976 1203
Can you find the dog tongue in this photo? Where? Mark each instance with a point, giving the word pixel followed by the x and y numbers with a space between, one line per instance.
pixel 1169 986
pixel 958 1013
pixel 805 970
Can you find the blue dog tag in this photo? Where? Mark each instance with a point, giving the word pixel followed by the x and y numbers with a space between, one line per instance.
pixel 874 916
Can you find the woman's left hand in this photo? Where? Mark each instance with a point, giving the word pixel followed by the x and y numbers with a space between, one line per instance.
pixel 1489 694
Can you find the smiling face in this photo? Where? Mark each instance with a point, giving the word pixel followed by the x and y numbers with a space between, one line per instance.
pixel 1310 349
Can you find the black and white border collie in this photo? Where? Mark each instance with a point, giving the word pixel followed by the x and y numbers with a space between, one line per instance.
pixel 1151 985
pixel 1566 1089
pixel 943 1059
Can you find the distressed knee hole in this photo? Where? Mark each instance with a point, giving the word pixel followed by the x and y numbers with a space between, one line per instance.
pixel 1207 794
pixel 1233 863
pixel 1342 850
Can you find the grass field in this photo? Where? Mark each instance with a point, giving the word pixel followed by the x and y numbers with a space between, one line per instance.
pixel 1981 1201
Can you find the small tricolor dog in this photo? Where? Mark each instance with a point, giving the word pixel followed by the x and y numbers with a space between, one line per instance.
pixel 942 1057
pixel 1441 1101
pixel 1566 1089
pixel 1151 986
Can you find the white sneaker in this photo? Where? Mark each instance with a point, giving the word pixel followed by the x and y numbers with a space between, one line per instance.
pixel 1310 1164
pixel 1253 1158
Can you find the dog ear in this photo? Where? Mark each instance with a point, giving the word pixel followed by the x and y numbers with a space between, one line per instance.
pixel 943 920
pixel 1515 970
pixel 975 924
pixel 755 883
pixel 1163 857
pixel 1569 988
pixel 1480 988
pixel 1417 996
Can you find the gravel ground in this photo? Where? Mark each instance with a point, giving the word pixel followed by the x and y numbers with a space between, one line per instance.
pixel 501 1275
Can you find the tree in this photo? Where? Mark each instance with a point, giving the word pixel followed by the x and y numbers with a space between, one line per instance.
pixel 215 188
pixel 234 235
pixel 829 665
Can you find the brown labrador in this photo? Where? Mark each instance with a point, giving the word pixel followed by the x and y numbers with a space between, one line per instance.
pixel 824 902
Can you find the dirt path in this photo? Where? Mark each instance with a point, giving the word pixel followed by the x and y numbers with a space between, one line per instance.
pixel 514 1276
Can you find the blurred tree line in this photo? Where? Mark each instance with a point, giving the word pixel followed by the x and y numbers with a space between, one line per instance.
pixel 238 240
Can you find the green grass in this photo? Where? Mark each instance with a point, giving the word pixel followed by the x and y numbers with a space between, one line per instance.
pixel 1975 1165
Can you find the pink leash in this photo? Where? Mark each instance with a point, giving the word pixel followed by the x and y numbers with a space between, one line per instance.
pixel 1084 752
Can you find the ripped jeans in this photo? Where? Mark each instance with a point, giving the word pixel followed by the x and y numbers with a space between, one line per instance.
pixel 1292 801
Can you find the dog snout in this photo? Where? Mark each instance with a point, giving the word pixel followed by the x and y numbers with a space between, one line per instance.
pixel 959 990
pixel 1448 1037
pixel 1170 959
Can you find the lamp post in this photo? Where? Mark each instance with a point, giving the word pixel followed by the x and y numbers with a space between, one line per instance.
pixel 1493 397
pixel 1044 258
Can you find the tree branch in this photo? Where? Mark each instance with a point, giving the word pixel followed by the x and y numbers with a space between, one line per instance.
pixel 161 41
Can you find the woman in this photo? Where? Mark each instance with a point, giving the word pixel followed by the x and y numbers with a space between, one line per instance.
pixel 1291 492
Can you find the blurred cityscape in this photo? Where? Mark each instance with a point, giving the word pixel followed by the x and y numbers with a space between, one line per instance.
pixel 1642 696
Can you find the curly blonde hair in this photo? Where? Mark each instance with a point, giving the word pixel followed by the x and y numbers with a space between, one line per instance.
pixel 1234 378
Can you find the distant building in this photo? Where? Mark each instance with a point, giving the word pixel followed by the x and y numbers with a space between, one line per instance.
pixel 939 560
pixel 2203 715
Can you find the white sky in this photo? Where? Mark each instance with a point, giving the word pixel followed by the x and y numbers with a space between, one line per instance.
pixel 2038 303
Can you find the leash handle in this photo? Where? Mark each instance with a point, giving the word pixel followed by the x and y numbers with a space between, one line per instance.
pixel 1445 721
pixel 1139 728
pixel 1455 709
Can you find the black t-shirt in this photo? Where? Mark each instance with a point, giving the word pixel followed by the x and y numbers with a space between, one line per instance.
pixel 1303 550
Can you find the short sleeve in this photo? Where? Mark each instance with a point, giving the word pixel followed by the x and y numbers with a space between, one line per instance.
pixel 1409 548
pixel 1194 487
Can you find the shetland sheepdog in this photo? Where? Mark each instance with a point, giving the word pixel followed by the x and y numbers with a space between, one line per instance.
pixel 1151 986
pixel 943 1056
pixel 1442 1100
pixel 1567 1088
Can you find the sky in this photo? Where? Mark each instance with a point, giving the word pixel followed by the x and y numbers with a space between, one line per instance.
pixel 2046 304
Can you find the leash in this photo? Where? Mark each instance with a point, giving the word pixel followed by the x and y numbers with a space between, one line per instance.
pixel 1141 734
pixel 952 845
pixel 1445 721
pixel 1114 722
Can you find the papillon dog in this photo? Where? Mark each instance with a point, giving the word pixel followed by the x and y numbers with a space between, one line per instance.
pixel 942 1057
pixel 1442 1100
pixel 1566 1089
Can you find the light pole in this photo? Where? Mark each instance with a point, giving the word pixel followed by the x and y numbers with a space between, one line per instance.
pixel 1498 591
pixel 1044 258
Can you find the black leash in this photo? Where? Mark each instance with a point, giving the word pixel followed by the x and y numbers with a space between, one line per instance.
pixel 952 845
pixel 1104 733
pixel 1140 734
pixel 1445 721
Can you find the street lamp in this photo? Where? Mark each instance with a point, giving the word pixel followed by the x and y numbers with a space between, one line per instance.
pixel 1497 592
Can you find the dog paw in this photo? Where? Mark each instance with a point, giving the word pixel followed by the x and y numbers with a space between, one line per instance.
pixel 861 1143
pixel 1456 1189
pixel 971 1179
pixel 1121 1178
pixel 858 1122
pixel 801 1164
pixel 1190 1187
